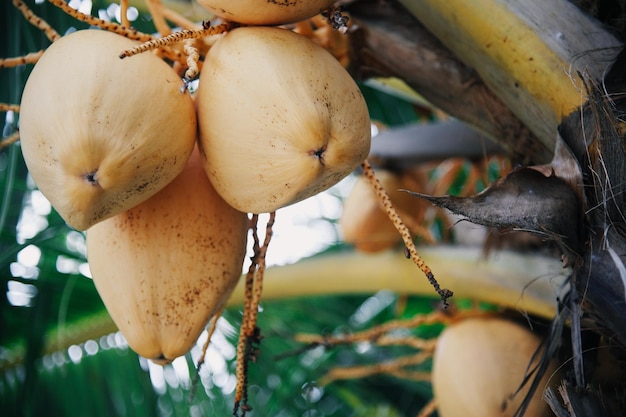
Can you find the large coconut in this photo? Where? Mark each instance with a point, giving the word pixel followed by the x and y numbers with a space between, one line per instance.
pixel 101 134
pixel 166 266
pixel 280 119
pixel 264 12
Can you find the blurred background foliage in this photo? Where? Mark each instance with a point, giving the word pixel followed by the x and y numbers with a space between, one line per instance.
pixel 61 356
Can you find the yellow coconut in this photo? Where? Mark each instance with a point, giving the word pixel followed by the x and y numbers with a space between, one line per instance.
pixel 364 223
pixel 280 119
pixel 101 134
pixel 263 12
pixel 478 366
pixel 166 266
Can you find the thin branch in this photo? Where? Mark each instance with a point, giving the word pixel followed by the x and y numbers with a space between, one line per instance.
pixel 155 8
pixel 404 231
pixel 9 140
pixel 375 333
pixel 4 107
pixel 210 331
pixel 240 369
pixel 193 56
pixel 103 24
pixel 37 21
pixel 249 333
pixel 124 13
pixel 31 58
pixel 260 272
pixel 429 409
pixel 207 30
pixel 396 367
pixel 179 20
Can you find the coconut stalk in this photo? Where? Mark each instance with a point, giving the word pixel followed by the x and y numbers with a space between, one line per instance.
pixel 528 52
pixel 388 42
pixel 528 283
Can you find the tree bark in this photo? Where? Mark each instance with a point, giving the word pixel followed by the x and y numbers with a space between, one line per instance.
pixel 528 52
pixel 389 42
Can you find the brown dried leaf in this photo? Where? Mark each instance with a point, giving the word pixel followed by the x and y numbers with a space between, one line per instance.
pixel 527 200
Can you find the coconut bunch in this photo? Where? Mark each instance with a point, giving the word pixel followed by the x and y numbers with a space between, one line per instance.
pixel 162 181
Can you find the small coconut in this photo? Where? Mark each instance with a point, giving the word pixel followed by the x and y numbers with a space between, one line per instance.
pixel 478 366
pixel 364 223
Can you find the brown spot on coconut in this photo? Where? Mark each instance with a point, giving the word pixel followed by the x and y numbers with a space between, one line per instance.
pixel 177 258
